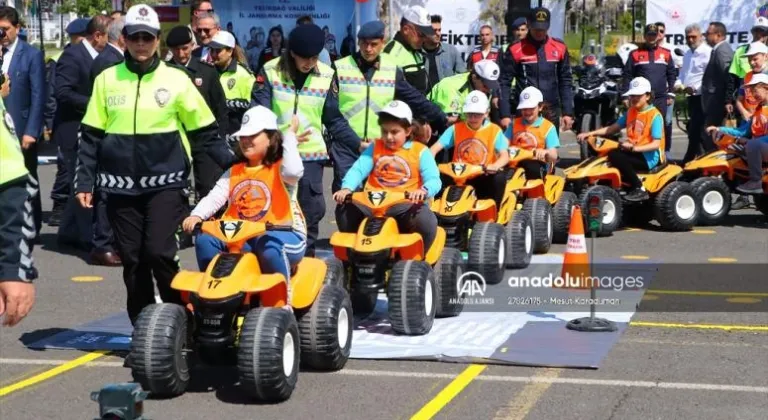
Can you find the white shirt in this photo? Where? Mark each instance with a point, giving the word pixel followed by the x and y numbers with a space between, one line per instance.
pixel 118 49
pixel 694 64
pixel 9 56
pixel 92 51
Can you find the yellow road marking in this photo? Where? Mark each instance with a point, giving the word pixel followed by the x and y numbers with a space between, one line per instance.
pixel 522 404
pixel 706 293
pixel 753 328
pixel 87 279
pixel 449 392
pixel 631 230
pixel 703 231
pixel 573 152
pixel 48 374
pixel 743 300
pixel 650 297
pixel 634 257
pixel 722 260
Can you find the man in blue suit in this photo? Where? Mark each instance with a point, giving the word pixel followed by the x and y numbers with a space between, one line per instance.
pixel 24 65
pixel 114 52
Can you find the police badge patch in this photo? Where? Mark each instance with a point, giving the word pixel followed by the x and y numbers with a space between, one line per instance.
pixel 246 118
pixel 231 83
pixel 198 81
pixel 9 122
pixel 162 97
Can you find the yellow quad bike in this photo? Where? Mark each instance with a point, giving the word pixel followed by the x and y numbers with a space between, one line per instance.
pixel 716 175
pixel 233 309
pixel 420 284
pixel 672 202
pixel 546 201
pixel 493 239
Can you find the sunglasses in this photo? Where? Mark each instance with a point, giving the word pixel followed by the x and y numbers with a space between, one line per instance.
pixel 142 36
pixel 199 11
pixel 204 30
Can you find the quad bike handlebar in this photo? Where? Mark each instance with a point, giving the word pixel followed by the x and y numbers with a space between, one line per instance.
pixel 461 172
pixel 378 201
pixel 234 231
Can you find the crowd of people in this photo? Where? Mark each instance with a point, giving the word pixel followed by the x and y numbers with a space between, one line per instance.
pixel 131 127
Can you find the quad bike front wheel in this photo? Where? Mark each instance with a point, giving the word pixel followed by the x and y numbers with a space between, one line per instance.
pixel 561 216
pixel 540 212
pixel 412 296
pixel 714 199
pixel 612 208
pixel 487 253
pixel 448 269
pixel 326 330
pixel 519 233
pixel 335 272
pixel 676 208
pixel 159 350
pixel 268 356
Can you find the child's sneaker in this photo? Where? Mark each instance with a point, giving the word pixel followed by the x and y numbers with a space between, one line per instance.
pixel 751 187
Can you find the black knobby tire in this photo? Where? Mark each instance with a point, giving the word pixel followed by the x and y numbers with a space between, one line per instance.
pixel 761 203
pixel 586 126
pixel 612 208
pixel 364 303
pixel 410 284
pixel 448 269
pixel 336 273
pixel 561 216
pixel 158 350
pixel 326 330
pixel 519 233
pixel 668 210
pixel 487 245
pixel 714 200
pixel 260 355
pixel 540 212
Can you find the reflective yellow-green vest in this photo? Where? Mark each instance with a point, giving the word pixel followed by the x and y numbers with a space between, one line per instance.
pixel 361 100
pixel 411 63
pixel 12 159
pixel 237 81
pixel 449 94
pixel 306 103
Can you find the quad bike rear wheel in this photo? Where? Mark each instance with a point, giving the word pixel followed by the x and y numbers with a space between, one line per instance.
pixel 326 330
pixel 412 296
pixel 612 208
pixel 714 200
pixel 676 208
pixel 268 356
pixel 487 253
pixel 561 216
pixel 448 269
pixel 519 233
pixel 159 350
pixel 540 212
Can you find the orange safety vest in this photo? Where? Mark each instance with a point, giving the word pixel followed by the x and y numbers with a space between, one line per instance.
pixel 475 147
pixel 760 122
pixel 396 170
pixel 530 137
pixel 258 194
pixel 749 101
pixel 639 126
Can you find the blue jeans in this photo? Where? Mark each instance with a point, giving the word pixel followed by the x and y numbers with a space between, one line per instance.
pixel 277 251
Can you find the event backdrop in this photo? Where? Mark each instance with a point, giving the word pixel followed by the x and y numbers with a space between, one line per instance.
pixel 737 15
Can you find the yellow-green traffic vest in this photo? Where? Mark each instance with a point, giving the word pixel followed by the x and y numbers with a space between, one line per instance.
pixel 411 63
pixel 306 103
pixel 237 81
pixel 360 100
pixel 449 94
pixel 12 159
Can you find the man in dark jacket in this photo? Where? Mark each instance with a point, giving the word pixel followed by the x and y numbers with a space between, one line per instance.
pixel 181 43
pixel 114 52
pixel 542 62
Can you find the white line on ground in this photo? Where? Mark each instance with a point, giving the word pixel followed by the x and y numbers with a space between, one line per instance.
pixel 487 378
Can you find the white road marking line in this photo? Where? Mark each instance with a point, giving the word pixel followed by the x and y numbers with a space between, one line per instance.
pixel 487 378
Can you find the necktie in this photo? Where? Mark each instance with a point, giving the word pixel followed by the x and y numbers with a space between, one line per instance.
pixel 3 57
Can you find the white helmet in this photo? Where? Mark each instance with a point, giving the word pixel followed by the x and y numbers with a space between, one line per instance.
pixel 625 50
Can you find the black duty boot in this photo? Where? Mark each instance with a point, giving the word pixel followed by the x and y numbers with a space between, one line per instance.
pixel 637 194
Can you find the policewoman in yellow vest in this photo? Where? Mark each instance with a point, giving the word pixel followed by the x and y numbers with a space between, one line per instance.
pixel 17 229
pixel 368 81
pixel 135 147
pixel 450 93
pixel 406 46
pixel 236 80
pixel 297 84
pixel 644 147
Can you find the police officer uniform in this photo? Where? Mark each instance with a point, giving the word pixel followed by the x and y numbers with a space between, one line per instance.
pixel 206 80
pixel 236 80
pixel 411 61
pixel 135 147
pixel 314 98
pixel 17 228
pixel 543 65
pixel 451 92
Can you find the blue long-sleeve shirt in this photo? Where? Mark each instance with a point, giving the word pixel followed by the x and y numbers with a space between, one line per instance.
pixel 744 130
pixel 359 172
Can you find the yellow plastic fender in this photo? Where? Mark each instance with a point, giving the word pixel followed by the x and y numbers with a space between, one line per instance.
pixel 243 276
pixel 436 250
pixel 485 210
pixel 464 204
pixel 655 182
pixel 508 204
pixel 553 187
pixel 307 282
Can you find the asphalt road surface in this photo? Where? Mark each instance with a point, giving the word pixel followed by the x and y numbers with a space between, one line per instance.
pixel 693 363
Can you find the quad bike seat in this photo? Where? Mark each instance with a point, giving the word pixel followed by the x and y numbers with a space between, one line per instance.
pixel 656 169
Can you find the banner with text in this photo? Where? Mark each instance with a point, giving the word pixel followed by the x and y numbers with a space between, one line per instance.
pixel 738 16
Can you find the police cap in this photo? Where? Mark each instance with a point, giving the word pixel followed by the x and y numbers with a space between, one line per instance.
pixel 540 17
pixel 371 30
pixel 77 26
pixel 306 41
pixel 519 22
pixel 178 36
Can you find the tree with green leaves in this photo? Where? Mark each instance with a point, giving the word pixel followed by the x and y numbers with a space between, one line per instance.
pixel 94 7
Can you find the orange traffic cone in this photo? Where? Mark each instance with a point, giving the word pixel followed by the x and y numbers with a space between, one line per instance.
pixel 576 270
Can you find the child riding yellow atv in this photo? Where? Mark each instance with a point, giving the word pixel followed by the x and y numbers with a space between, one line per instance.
pixel 388 236
pixel 634 176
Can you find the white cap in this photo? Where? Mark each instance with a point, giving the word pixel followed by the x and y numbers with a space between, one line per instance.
pixel 530 97
pixel 142 18
pixel 489 72
pixel 398 109
pixel 419 16
pixel 639 86
pixel 256 120
pixel 222 39
pixel 757 79
pixel 761 22
pixel 476 103
pixel 756 48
